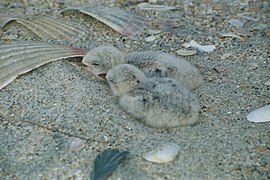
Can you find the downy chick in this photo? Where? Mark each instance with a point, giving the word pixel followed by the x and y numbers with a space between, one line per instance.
pixel 152 63
pixel 100 59
pixel 158 102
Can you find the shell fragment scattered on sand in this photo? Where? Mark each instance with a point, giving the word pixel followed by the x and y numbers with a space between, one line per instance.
pixel 155 7
pixel 194 44
pixel 163 154
pixel 19 58
pixel 260 115
pixel 50 28
pixel 165 24
pixel 106 162
pixel 267 83
pixel 235 22
pixel 77 144
pixel 241 32
pixel 124 22
pixel 233 35
pixel 153 31
pixel 150 38
pixel 73 172
pixel 261 27
pixel 184 52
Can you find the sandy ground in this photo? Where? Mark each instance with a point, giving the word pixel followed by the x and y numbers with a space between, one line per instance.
pixel 42 112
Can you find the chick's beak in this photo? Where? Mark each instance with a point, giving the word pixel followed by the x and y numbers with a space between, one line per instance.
pixel 102 76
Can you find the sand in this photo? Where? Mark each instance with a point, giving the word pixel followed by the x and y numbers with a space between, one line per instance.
pixel 42 111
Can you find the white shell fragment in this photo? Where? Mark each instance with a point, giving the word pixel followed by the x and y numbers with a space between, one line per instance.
pixel 73 172
pixel 150 38
pixel 184 52
pixel 267 83
pixel 147 7
pixel 235 22
pixel 77 144
pixel 22 57
pixel 207 48
pixel 153 31
pixel 163 154
pixel 124 22
pixel 233 35
pixel 260 115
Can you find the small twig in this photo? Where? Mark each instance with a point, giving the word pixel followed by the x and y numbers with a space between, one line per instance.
pixel 42 126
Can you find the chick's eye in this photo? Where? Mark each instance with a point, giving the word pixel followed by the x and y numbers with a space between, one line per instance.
pixel 95 64
pixel 109 78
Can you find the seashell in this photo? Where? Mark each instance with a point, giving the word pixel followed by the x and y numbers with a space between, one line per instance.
pixel 19 58
pixel 163 154
pixel 106 162
pixel 73 172
pixel 126 23
pixel 207 48
pixel 77 144
pixel 235 22
pixel 267 83
pixel 233 35
pixel 186 45
pixel 147 7
pixel 50 28
pixel 261 27
pixel 6 15
pixel 150 38
pixel 248 18
pixel 165 24
pixel 3 21
pixel 241 32
pixel 184 52
pixel 260 115
pixel 226 55
pixel 153 31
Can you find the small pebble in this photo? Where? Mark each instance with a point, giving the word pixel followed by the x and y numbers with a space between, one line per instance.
pixel 267 83
pixel 226 55
pixel 253 66
pixel 77 144
pixel 10 37
pixel 261 27
pixel 150 38
pixel 267 32
pixel 235 22
pixel 261 148
pixel 73 172
pixel 153 31
pixel 241 32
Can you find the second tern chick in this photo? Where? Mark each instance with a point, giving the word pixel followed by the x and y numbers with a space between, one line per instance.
pixel 158 102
